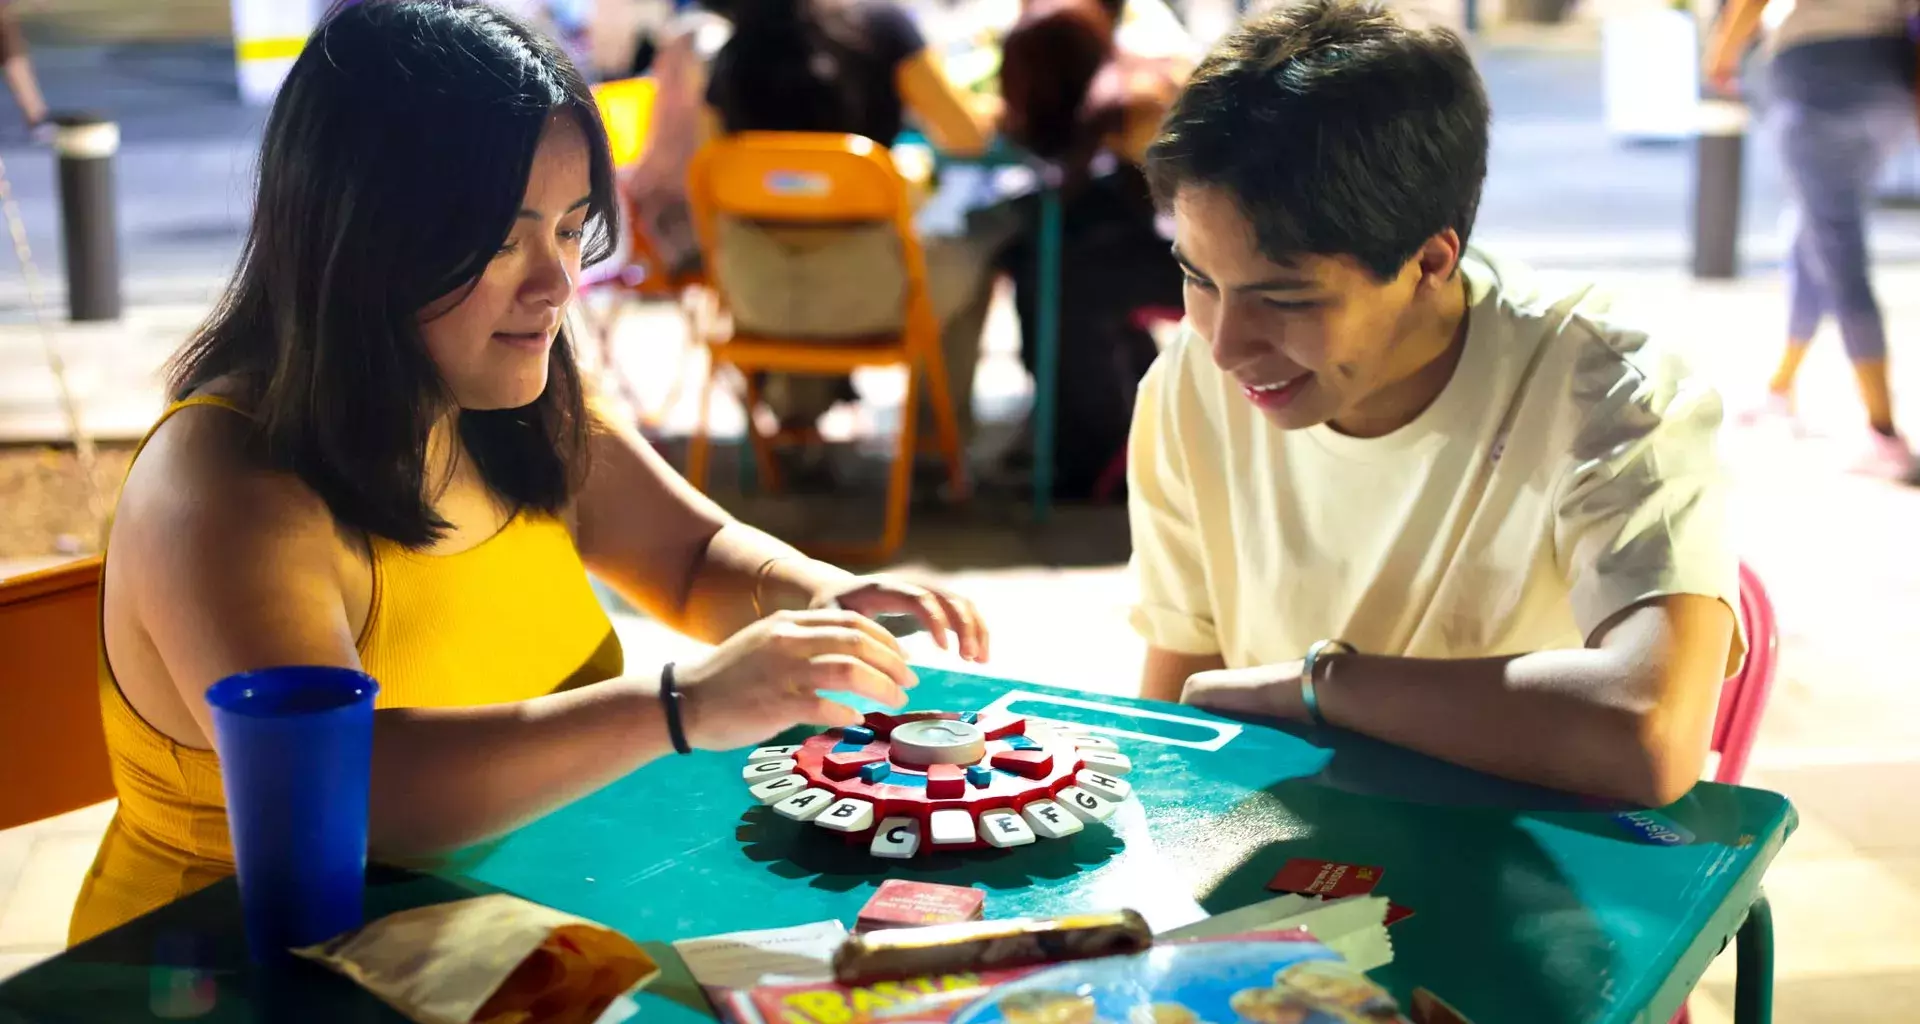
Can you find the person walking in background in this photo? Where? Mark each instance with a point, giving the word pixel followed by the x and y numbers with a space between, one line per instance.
pixel 1840 77
pixel 657 185
pixel 18 69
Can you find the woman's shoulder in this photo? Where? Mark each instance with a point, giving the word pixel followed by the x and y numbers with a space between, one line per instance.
pixel 203 475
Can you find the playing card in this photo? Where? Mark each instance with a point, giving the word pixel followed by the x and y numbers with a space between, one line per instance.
pixel 902 904
pixel 1327 878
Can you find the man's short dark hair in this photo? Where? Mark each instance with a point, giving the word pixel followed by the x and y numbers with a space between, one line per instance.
pixel 1337 129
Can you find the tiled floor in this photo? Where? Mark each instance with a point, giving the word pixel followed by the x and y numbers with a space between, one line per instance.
pixel 41 866
pixel 1842 736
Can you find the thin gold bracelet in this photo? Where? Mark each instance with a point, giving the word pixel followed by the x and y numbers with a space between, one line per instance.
pixel 760 580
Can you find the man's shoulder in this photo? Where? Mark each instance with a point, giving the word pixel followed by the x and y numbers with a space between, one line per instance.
pixel 1588 346
pixel 1567 312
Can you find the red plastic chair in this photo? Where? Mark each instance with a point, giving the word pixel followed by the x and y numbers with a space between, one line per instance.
pixel 1743 699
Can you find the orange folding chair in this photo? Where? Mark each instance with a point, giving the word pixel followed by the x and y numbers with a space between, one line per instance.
pixel 808 178
pixel 52 748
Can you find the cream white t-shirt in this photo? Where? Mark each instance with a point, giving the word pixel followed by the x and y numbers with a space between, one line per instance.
pixel 1567 472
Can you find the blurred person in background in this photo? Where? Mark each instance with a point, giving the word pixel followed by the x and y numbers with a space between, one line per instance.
pixel 1840 82
pixel 1077 99
pixel 18 69
pixel 859 68
pixel 657 186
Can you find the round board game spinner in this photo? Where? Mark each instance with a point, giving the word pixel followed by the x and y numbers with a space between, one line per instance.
pixel 935 780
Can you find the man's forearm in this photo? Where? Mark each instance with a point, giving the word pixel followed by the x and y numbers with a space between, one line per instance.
pixel 1586 720
pixel 1165 672
pixel 743 565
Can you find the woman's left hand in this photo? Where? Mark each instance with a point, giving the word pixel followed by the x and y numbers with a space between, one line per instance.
pixel 943 614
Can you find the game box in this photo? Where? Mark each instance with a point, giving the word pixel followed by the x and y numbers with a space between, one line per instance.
pixel 1260 978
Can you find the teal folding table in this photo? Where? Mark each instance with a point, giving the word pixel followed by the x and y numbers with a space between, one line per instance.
pixel 1528 906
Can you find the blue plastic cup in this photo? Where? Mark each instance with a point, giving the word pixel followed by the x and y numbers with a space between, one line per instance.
pixel 296 759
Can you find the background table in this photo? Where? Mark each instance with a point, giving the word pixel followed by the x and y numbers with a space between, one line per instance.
pixel 1047 239
pixel 1528 906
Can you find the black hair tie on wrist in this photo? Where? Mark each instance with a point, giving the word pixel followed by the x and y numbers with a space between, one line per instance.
pixel 670 697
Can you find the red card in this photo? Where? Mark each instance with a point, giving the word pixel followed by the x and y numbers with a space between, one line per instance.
pixel 902 904
pixel 1331 879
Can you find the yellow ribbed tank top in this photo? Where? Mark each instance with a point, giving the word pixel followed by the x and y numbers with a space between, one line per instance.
pixel 510 619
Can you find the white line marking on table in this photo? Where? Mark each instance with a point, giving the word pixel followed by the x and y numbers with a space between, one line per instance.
pixel 1223 732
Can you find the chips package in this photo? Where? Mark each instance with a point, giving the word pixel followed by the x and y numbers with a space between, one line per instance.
pixel 491 960
pixel 1253 978
pixel 1248 981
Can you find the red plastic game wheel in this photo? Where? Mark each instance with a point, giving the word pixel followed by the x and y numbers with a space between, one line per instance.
pixel 911 784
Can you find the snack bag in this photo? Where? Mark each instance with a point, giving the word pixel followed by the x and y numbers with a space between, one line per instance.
pixel 1214 982
pixel 1273 977
pixel 491 960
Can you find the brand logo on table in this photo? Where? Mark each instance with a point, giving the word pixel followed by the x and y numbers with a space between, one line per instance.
pixel 1654 827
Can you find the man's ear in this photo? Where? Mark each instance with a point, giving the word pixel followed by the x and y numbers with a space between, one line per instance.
pixel 1439 258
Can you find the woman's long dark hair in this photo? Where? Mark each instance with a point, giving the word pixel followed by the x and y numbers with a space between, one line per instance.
pixel 395 159
pixel 784 68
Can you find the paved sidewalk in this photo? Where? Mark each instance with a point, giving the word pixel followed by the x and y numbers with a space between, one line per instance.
pixel 1560 193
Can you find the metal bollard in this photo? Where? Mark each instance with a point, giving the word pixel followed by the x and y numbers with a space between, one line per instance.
pixel 86 145
pixel 1719 157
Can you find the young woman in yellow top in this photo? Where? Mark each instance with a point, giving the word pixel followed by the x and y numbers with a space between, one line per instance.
pixel 381 457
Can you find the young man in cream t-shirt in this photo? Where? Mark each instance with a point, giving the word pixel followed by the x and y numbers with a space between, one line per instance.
pixel 1491 519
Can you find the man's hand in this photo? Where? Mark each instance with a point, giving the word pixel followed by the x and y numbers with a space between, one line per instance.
pixel 1270 690
pixel 1627 719
pixel 1165 673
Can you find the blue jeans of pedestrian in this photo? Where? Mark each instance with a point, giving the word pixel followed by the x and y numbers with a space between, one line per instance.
pixel 1840 109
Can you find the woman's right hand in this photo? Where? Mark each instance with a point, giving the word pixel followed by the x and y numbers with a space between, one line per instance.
pixel 765 678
